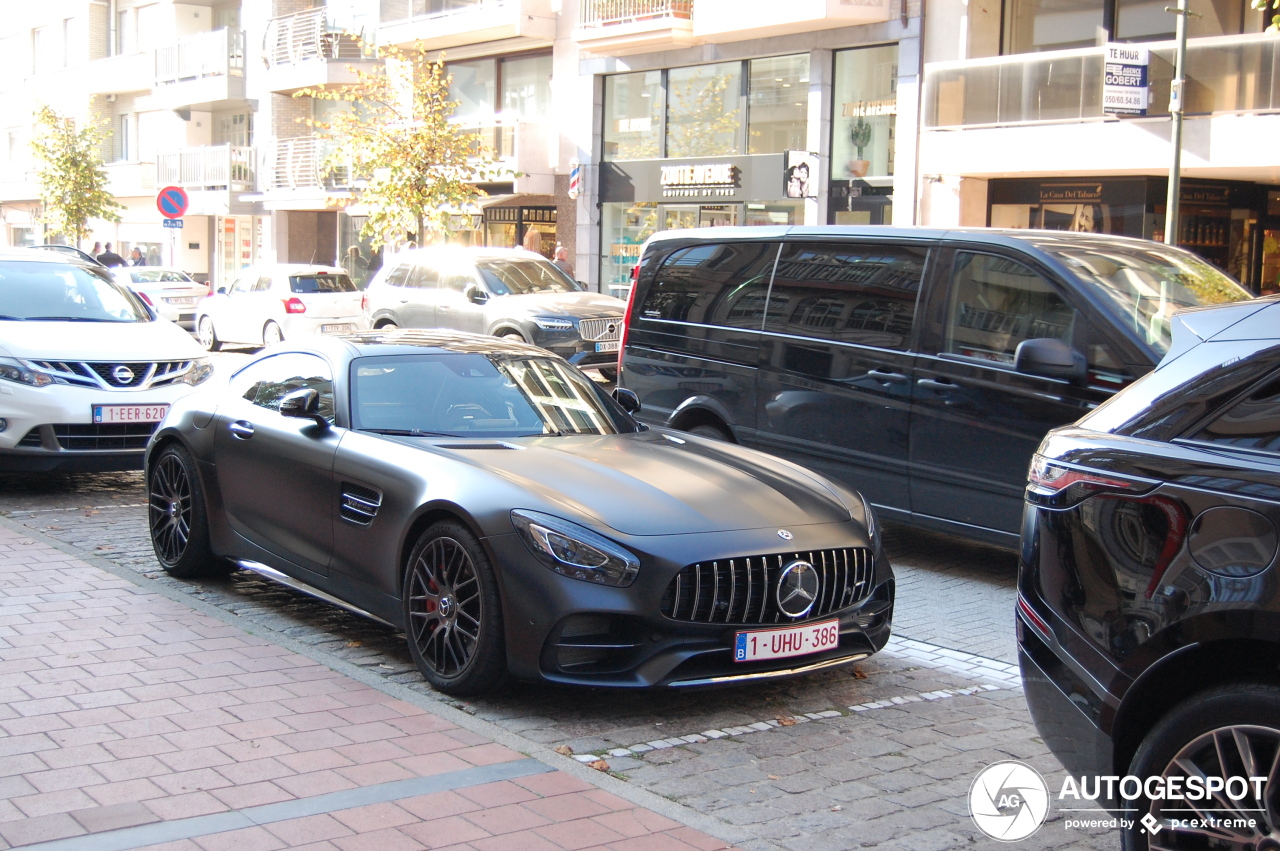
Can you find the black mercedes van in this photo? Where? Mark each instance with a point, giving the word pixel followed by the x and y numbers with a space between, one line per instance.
pixel 922 367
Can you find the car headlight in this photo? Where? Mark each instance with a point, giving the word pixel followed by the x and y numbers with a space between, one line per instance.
pixel 201 369
pixel 873 527
pixel 19 373
pixel 552 323
pixel 573 551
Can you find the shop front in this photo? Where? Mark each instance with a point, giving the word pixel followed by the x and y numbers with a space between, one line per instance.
pixel 1227 223
pixel 643 196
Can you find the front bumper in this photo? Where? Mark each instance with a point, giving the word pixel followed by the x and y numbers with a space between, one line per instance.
pixel 573 632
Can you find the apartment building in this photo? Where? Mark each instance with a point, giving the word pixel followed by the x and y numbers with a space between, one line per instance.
pixel 614 117
pixel 1014 132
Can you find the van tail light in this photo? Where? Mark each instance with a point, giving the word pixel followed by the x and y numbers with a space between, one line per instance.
pixel 1032 617
pixel 1055 486
pixel 295 305
pixel 626 319
pixel 364 302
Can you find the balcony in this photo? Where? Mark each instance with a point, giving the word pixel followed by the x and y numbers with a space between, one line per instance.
pixel 467 28
pixel 1231 74
pixel 738 20
pixel 201 71
pixel 309 50
pixel 623 27
pixel 526 147
pixel 131 179
pixel 132 72
pixel 213 175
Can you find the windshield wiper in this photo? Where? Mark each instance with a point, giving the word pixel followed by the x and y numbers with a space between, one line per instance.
pixel 408 432
pixel 13 318
pixel 70 319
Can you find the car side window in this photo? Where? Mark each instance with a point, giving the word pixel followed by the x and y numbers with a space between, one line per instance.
pixel 423 277
pixel 243 285
pixel 455 282
pixel 723 284
pixel 1251 423
pixel 996 303
pixel 264 383
pixel 263 284
pixel 847 293
pixel 399 276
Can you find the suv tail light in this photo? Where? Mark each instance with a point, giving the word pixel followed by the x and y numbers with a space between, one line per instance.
pixel 364 302
pixel 626 318
pixel 1055 486
pixel 295 305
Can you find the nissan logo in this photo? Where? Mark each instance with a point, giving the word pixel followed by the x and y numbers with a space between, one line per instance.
pixel 797 589
pixel 122 374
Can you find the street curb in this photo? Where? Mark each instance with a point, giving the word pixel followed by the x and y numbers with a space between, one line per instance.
pixel 640 797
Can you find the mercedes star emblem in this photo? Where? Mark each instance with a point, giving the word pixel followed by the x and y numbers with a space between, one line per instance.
pixel 797 589
pixel 785 535
pixel 122 374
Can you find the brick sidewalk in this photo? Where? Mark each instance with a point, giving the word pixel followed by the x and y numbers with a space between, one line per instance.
pixel 129 720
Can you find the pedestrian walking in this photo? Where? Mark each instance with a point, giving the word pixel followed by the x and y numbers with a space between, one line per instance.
pixel 110 258
pixel 136 258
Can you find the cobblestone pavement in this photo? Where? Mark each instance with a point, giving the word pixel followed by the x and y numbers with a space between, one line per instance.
pixel 880 756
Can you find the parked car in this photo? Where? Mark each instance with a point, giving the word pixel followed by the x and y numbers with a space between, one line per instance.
pixel 491 501
pixel 923 366
pixel 173 293
pixel 86 370
pixel 269 303
pixel 507 293
pixel 1149 605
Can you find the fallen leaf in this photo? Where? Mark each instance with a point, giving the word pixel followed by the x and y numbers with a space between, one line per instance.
pixel 774 777
pixel 92 511
pixel 786 721
pixel 753 791
pixel 837 808
pixel 355 642
pixel 599 765
pixel 564 750
pixel 859 674
pixel 104 547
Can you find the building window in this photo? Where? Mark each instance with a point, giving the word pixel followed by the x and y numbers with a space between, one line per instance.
pixel 124 137
pixel 778 104
pixel 518 87
pixel 234 129
pixel 634 104
pixel 704 110
pixel 126 33
pixel 1034 25
pixel 43 49
pixel 866 110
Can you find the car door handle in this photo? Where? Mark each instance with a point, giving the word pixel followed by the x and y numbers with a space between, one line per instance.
pixel 241 429
pixel 935 384
pixel 887 377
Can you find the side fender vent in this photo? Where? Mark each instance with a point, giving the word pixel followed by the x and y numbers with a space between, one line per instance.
pixel 359 504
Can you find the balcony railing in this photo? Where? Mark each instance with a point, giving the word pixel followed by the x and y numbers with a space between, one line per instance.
pixel 213 167
pixel 595 13
pixel 308 36
pixel 393 11
pixel 216 53
pixel 1227 74
pixel 300 164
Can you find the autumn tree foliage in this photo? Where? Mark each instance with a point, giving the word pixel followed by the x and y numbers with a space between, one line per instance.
pixel 415 167
pixel 70 173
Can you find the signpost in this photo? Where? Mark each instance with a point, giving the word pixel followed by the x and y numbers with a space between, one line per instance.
pixel 1125 90
pixel 172 202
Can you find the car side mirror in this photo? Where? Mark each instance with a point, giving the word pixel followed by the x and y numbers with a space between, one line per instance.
pixel 303 404
pixel 222 290
pixel 1050 358
pixel 629 401
pixel 474 294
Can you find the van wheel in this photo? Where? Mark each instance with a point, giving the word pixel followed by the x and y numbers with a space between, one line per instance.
pixel 713 432
pixel 1228 732
pixel 608 374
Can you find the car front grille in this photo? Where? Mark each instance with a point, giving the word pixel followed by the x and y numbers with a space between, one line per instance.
pixel 743 591
pixel 85 437
pixel 599 330
pixel 140 375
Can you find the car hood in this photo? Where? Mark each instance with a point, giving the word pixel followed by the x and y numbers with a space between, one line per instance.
pixel 577 305
pixel 648 484
pixel 97 341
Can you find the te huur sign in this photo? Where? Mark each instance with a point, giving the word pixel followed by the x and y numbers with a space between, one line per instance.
pixel 1125 87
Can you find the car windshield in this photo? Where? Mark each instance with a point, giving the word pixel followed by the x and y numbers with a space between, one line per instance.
pixel 510 276
pixel 321 283
pixel 1144 287
pixel 159 276
pixel 35 291
pixel 472 395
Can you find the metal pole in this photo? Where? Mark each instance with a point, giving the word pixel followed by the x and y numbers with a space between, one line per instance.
pixel 1175 110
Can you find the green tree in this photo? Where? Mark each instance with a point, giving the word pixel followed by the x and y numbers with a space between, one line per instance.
pixel 1275 19
pixel 72 178
pixel 418 169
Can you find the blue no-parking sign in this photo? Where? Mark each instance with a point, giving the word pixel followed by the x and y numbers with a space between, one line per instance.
pixel 172 202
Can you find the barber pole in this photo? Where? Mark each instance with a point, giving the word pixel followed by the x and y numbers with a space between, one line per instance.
pixel 575 179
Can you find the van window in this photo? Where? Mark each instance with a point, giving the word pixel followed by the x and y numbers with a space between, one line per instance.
pixel 847 293
pixel 1252 423
pixel 722 284
pixel 996 303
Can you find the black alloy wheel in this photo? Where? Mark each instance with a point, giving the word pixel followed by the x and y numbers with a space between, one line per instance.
pixel 1229 732
pixel 177 517
pixel 714 432
pixel 453 619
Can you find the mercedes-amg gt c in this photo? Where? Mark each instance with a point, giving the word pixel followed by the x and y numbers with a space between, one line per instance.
pixel 513 519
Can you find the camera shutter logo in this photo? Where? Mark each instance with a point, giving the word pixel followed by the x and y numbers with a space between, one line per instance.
pixel 1009 801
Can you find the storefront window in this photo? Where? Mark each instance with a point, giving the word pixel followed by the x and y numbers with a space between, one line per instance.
pixel 704 113
pixel 1034 25
pixel 626 227
pixel 633 116
pixel 777 104
pixel 866 109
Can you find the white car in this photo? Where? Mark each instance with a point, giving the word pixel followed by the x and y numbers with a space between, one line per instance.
pixel 86 370
pixel 173 293
pixel 270 303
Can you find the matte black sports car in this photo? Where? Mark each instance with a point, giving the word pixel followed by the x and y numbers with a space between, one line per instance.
pixel 1149 602
pixel 488 499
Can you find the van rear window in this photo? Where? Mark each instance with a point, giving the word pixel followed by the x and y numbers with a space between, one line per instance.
pixel 723 284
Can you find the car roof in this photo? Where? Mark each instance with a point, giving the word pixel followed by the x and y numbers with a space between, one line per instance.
pixel 290 269
pixel 38 255
pixel 462 252
pixel 1042 239
pixel 406 341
